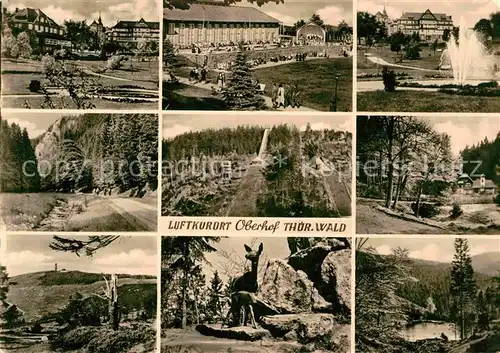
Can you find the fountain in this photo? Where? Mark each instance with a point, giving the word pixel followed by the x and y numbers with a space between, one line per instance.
pixel 467 57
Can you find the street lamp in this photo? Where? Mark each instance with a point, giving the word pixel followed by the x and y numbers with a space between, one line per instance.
pixel 333 105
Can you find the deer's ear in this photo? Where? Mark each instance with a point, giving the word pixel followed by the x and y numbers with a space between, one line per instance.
pixel 247 248
pixel 261 247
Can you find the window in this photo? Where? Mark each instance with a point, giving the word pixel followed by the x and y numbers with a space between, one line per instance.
pixel 191 26
pixel 182 26
pixel 30 26
pixel 171 28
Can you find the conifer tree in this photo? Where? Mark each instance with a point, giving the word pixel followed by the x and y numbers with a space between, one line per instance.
pixel 168 54
pixel 214 306
pixel 241 92
pixel 463 288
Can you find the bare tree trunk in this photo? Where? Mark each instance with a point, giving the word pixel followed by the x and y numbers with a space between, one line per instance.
pixel 196 310
pixel 390 174
pixel 184 297
pixel 112 295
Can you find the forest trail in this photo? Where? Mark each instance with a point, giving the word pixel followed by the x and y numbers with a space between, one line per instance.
pixel 369 219
pixel 463 348
pixel 144 213
pixel 101 213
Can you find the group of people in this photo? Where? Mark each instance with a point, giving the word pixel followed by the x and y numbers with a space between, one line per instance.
pixel 283 96
pixel 106 191
pixel 300 57
pixel 198 75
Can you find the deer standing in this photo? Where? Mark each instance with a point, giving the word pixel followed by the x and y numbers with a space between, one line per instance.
pixel 243 289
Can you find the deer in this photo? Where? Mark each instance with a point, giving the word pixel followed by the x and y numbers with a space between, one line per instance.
pixel 243 289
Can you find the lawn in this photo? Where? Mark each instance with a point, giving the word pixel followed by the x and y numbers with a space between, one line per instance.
pixel 26 211
pixel 421 101
pixel 316 80
pixel 16 77
pixel 428 58
pixel 185 97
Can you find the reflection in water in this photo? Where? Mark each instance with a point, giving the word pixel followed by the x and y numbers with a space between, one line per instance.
pixel 428 330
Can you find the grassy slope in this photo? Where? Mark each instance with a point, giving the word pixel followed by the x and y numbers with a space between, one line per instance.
pixel 316 81
pixel 24 211
pixel 36 299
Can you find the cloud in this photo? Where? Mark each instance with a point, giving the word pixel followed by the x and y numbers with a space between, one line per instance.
pixel 373 7
pixel 431 252
pixel 26 261
pixel 60 15
pixel 176 129
pixel 462 135
pixel 287 20
pixel 333 15
pixel 130 259
pixel 33 131
pixel 384 249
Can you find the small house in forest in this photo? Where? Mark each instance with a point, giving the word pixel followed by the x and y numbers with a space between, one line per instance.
pixel 482 185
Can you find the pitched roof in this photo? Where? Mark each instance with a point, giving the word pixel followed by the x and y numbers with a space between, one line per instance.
pixel 29 15
pixel 418 15
pixel 218 13
pixel 488 184
pixel 140 23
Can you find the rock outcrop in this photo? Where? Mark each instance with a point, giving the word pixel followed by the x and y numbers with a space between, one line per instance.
pixel 243 333
pixel 289 291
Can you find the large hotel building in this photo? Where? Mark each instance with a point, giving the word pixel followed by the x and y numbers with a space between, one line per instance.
pixel 133 31
pixel 211 22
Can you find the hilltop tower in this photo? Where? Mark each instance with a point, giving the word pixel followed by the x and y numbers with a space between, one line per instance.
pixel 55 267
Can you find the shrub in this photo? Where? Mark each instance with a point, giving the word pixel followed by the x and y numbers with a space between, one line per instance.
pixel 36 328
pixel 115 62
pixel 456 211
pixel 426 210
pixel 75 339
pixel 35 86
pixel 108 340
pixel 49 64
pixel 389 79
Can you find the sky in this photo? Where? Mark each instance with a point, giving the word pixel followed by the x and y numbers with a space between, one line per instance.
pixel 234 245
pixel 432 249
pixel 466 130
pixel 174 125
pixel 78 10
pixel 35 123
pixel 130 255
pixel 332 12
pixel 470 10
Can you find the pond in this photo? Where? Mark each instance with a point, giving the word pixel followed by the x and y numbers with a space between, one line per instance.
pixel 427 330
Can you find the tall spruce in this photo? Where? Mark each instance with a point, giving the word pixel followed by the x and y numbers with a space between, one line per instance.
pixel 241 92
pixel 463 288
pixel 214 305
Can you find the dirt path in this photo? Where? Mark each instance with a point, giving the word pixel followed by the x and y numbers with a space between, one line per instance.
pixel 380 61
pixel 371 221
pixel 465 346
pixel 101 213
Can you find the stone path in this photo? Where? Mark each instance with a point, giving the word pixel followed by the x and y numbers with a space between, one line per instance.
pixel 380 61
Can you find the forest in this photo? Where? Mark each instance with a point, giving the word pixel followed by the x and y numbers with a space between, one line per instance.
pixel 80 153
pixel 203 171
pixel 394 291
pixel 402 158
pixel 488 152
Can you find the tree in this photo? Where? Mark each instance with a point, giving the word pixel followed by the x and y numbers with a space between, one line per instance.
pixel 315 18
pixel 80 35
pixel 8 41
pixel 23 42
pixel 168 54
pixel 446 35
pixel 370 28
pixel 463 288
pixel 180 255
pixel 241 92
pixel 484 27
pixel 483 318
pixel 214 305
pixel 495 24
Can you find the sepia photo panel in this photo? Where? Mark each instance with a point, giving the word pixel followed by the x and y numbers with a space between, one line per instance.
pixel 264 294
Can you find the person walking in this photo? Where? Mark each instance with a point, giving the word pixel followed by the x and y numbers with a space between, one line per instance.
pixel 281 96
pixel 219 81
pixel 274 95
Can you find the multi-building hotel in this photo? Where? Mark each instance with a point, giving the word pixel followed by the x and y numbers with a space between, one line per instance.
pixel 428 25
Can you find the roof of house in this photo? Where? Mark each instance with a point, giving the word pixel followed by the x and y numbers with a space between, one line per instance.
pixel 140 23
pixel 488 184
pixel 218 13
pixel 30 15
pixel 418 15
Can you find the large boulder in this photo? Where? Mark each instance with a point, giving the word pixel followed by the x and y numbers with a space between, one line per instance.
pixel 309 260
pixel 335 284
pixel 320 329
pixel 288 291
